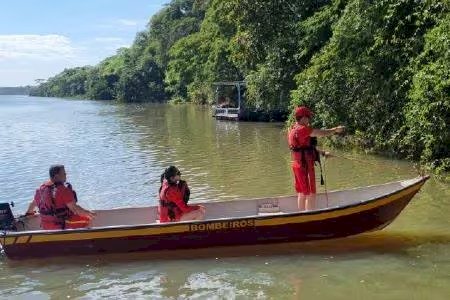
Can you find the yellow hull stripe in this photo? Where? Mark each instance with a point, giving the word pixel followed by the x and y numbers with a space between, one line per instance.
pixel 113 233
pixel 272 221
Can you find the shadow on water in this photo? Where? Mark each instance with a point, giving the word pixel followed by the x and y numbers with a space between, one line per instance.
pixel 365 244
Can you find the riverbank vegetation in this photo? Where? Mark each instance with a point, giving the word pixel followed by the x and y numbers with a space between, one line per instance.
pixel 382 68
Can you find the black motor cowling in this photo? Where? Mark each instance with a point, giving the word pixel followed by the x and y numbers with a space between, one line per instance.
pixel 6 217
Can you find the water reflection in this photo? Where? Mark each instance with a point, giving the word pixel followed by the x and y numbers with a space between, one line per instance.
pixel 291 269
pixel 220 159
pixel 366 244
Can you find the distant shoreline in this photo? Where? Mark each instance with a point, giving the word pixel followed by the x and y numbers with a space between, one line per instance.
pixel 15 90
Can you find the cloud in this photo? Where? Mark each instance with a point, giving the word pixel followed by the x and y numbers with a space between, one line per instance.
pixel 128 22
pixel 122 24
pixel 41 47
pixel 109 40
pixel 24 58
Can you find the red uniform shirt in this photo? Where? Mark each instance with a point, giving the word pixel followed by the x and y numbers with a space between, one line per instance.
pixel 303 167
pixel 300 136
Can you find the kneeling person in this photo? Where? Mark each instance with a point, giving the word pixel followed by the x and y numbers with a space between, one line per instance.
pixel 56 202
pixel 173 198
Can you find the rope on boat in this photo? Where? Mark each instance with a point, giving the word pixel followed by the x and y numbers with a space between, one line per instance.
pixel 357 160
pixel 363 161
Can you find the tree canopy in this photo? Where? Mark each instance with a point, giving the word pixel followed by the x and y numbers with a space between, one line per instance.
pixel 379 67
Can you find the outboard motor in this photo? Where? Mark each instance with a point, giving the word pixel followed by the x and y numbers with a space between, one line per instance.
pixel 6 217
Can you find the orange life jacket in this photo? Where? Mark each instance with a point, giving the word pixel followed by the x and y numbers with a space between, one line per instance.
pixel 306 151
pixel 49 210
pixel 172 209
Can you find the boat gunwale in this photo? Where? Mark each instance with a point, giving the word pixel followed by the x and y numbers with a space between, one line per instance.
pixel 420 180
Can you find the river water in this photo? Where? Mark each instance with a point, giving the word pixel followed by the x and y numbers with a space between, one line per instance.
pixel 114 154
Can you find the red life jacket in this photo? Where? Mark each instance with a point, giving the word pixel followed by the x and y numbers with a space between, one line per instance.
pixel 302 151
pixel 306 151
pixel 172 209
pixel 50 211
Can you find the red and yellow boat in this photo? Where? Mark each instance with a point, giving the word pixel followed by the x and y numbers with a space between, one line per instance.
pixel 239 222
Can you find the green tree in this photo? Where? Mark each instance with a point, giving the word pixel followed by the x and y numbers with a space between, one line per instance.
pixel 427 125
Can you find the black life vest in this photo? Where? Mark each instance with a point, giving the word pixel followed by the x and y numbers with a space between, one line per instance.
pixel 310 149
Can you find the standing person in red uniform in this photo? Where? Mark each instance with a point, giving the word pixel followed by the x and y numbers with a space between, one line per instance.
pixel 56 202
pixel 304 153
pixel 173 198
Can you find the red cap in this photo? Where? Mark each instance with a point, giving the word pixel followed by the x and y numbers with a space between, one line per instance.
pixel 303 111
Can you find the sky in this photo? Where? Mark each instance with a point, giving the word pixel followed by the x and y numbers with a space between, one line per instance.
pixel 40 38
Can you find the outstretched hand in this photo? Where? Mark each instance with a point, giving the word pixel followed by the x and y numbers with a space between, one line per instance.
pixel 327 154
pixel 339 129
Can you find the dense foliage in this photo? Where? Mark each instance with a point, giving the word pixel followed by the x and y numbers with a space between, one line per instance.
pixel 379 67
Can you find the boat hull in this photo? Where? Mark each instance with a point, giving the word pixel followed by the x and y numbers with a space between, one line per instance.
pixel 325 224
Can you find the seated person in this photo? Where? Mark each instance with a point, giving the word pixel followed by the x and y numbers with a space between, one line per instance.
pixel 225 102
pixel 173 198
pixel 56 202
